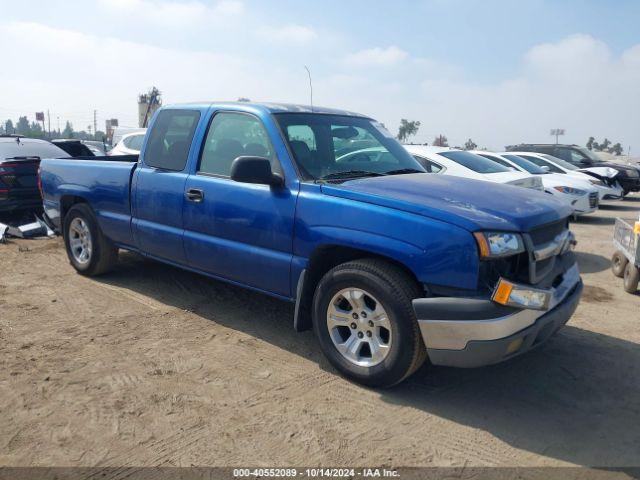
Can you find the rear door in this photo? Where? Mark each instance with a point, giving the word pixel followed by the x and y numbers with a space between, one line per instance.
pixel 239 231
pixel 159 184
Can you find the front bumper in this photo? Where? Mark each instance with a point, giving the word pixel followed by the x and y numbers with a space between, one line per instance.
pixel 610 193
pixel 588 203
pixel 629 184
pixel 466 332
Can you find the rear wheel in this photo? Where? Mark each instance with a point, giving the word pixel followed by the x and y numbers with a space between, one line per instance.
pixel 631 278
pixel 89 251
pixel 618 264
pixel 366 326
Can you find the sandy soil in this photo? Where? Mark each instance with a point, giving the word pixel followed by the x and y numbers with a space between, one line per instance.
pixel 150 365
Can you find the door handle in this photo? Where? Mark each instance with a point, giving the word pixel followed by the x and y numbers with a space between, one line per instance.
pixel 194 195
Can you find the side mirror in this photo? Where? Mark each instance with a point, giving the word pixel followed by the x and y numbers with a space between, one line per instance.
pixel 254 170
pixel 545 168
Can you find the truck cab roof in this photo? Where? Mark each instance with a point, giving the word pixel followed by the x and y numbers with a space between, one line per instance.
pixel 269 107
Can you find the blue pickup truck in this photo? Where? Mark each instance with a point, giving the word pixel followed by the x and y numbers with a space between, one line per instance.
pixel 388 264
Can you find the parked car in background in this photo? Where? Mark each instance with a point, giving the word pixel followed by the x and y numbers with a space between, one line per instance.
pixel 581 157
pixel 119 132
pixel 603 178
pixel 388 264
pixel 19 161
pixel 579 194
pixel 130 144
pixel 75 147
pixel 460 163
pixel 97 147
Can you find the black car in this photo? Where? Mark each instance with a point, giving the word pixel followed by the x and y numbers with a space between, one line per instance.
pixel 628 175
pixel 75 148
pixel 19 162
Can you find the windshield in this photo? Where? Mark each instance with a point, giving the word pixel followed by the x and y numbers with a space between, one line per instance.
pixel 30 148
pixel 559 161
pixel 526 164
pixel 474 162
pixel 337 146
pixel 588 153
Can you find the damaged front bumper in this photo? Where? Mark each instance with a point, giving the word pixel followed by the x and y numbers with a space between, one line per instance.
pixel 472 332
pixel 610 193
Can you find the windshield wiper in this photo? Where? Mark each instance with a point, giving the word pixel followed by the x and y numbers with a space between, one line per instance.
pixel 402 171
pixel 351 174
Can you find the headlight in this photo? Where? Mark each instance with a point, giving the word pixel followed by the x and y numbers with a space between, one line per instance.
pixel 498 244
pixel 570 191
pixel 523 296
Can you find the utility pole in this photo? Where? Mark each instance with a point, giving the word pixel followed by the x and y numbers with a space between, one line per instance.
pixel 95 122
pixel 49 124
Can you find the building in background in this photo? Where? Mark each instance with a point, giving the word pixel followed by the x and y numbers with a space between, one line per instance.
pixel 148 103
pixel 110 125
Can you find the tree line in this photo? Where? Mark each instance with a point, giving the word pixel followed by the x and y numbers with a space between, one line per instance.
pixel 605 146
pixel 408 128
pixel 34 130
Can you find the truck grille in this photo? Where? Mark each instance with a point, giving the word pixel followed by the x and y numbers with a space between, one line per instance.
pixel 546 233
pixel 593 199
pixel 538 238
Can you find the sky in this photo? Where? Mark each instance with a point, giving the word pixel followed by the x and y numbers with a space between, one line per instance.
pixel 498 72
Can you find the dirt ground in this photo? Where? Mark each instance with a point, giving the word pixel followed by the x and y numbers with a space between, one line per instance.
pixel 151 365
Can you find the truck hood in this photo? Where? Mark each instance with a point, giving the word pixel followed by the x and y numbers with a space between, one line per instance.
pixel 470 204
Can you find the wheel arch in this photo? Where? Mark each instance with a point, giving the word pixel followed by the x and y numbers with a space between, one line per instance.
pixel 68 201
pixel 323 259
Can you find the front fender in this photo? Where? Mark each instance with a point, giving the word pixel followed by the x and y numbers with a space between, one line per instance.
pixel 436 252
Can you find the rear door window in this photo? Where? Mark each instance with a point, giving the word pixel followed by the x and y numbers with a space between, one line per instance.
pixel 170 139
pixel 474 162
pixel 542 163
pixel 502 162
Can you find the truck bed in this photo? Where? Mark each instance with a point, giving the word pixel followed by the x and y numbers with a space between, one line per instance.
pixel 104 182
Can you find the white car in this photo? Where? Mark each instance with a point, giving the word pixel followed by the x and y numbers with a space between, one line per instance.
pixel 460 163
pixel 600 177
pixel 130 144
pixel 580 194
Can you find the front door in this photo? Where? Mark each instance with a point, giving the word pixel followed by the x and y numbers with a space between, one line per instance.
pixel 238 231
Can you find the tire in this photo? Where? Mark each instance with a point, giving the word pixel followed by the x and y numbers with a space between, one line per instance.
pixel 384 287
pixel 618 264
pixel 631 278
pixel 100 255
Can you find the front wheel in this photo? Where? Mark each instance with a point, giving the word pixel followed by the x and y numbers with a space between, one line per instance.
pixel 366 326
pixel 89 251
